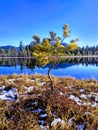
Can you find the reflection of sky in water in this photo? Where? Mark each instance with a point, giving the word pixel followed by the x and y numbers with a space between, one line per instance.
pixel 78 71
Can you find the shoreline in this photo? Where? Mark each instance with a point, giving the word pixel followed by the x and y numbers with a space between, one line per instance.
pixel 86 56
pixel 46 76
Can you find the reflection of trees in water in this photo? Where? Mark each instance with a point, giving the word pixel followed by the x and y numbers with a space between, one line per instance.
pixel 22 62
pixel 8 62
pixel 30 63
pixel 84 61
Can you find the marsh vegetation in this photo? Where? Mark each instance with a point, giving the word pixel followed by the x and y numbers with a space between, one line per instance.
pixel 27 102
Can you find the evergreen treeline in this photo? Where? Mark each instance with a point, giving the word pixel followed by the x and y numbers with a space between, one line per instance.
pixel 26 51
pixel 86 51
pixel 21 51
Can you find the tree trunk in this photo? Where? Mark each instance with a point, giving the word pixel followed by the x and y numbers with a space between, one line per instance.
pixel 49 76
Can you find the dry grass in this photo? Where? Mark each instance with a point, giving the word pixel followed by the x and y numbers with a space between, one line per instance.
pixel 34 93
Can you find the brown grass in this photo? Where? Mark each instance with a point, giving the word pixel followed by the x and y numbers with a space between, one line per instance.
pixel 34 92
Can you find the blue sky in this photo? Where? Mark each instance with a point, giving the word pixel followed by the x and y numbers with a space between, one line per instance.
pixel 21 19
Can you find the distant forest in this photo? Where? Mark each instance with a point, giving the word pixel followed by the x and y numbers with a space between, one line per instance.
pixel 26 51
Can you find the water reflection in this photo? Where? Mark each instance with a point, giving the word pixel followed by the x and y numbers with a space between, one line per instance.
pixel 31 62
pixel 75 67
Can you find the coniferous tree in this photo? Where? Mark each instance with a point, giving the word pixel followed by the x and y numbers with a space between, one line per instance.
pixel 45 52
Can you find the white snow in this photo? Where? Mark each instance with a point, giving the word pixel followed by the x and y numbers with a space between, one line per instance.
pixel 42 83
pixel 61 93
pixel 2 88
pixel 29 89
pixel 44 127
pixel 32 80
pixel 57 120
pixel 81 127
pixel 76 99
pixel 79 100
pixel 43 115
pixel 83 96
pixel 87 112
pixel 71 121
pixel 82 90
pixel 94 104
pixel 38 110
pixel 10 80
pixel 89 95
pixel 7 95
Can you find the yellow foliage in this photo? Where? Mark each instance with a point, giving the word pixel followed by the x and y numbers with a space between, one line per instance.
pixel 36 37
pixel 65 26
pixel 35 54
pixel 66 33
pixel 58 40
pixel 62 47
pixel 66 30
pixel 57 44
pixel 45 51
pixel 72 46
pixel 43 60
pixel 46 43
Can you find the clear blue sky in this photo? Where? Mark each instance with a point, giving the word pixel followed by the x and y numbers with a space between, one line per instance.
pixel 21 19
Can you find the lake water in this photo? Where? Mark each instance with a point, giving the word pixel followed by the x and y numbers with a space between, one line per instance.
pixel 78 70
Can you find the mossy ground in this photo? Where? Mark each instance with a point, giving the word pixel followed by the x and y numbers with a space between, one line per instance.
pixel 72 103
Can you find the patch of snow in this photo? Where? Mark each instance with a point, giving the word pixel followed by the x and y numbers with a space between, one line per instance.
pixel 8 95
pixel 81 126
pixel 71 97
pixel 94 93
pixel 74 98
pixel 87 112
pixel 44 127
pixel 94 104
pixel 3 97
pixel 86 103
pixel 2 88
pixel 11 80
pixel 79 103
pixel 34 103
pixel 42 122
pixel 96 98
pixel 82 90
pixel 57 120
pixel 42 83
pixel 83 96
pixel 89 95
pixel 32 80
pixel 61 93
pixel 29 89
pixel 71 121
pixel 43 115
pixel 38 110
pixel 77 99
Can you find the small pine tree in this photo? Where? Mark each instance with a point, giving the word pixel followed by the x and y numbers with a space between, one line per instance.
pixel 51 49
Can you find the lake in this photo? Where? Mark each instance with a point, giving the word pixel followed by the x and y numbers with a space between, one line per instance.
pixel 78 68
